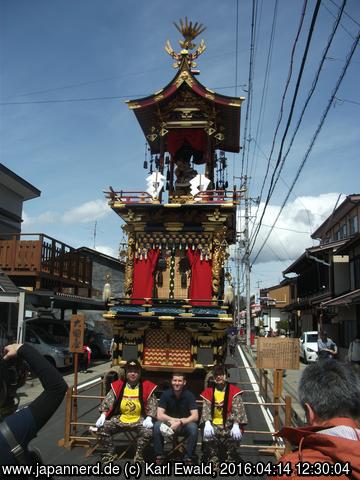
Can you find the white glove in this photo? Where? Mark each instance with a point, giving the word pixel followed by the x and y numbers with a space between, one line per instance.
pixel 148 423
pixel 208 429
pixel 101 420
pixel 166 430
pixel 235 432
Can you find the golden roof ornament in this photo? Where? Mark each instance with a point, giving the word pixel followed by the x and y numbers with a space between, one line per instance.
pixel 189 31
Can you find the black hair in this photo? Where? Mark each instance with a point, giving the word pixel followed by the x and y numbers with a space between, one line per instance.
pixel 179 374
pixel 331 388
pixel 219 369
pixel 225 404
pixel 133 363
pixel 117 403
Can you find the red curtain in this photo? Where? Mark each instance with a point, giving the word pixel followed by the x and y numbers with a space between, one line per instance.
pixel 194 136
pixel 201 278
pixel 143 280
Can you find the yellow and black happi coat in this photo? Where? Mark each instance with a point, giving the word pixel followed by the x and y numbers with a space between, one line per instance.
pixel 144 390
pixel 230 393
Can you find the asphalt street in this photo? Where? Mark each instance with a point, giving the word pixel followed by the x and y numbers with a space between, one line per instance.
pixel 259 419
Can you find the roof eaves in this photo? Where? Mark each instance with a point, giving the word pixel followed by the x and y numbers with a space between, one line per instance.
pixel 29 191
pixel 291 267
pixel 340 211
pixel 7 285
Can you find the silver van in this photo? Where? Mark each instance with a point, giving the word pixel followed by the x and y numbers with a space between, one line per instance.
pixel 58 329
pixel 48 346
pixel 96 339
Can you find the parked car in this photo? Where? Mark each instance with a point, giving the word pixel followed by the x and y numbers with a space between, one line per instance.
pixel 309 346
pixel 48 346
pixel 60 330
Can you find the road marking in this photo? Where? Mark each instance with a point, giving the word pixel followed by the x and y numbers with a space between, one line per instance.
pixel 269 419
pixel 90 382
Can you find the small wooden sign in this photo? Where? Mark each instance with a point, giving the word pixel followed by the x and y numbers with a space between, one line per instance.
pixel 278 353
pixel 77 326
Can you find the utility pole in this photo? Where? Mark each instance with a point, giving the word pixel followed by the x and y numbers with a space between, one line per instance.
pixel 243 241
pixel 237 260
pixel 247 264
pixel 94 234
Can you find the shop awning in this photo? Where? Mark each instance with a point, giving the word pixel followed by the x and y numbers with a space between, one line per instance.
pixel 347 299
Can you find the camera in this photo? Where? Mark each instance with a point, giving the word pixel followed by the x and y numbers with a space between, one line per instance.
pixel 13 374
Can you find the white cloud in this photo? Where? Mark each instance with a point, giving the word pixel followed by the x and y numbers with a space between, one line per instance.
pixel 106 250
pixel 45 218
pixel 87 212
pixel 291 235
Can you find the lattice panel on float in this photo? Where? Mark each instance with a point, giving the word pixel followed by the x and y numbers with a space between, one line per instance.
pixel 167 348
pixel 163 288
pixel 155 347
pixel 179 352
pixel 179 290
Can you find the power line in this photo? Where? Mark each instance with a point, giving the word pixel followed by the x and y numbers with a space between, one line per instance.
pixel 322 120
pixel 250 76
pixel 342 26
pixel 236 45
pixel 345 13
pixel 287 186
pixel 342 100
pixel 311 92
pixel 333 59
pixel 251 99
pixel 92 99
pixel 292 107
pixel 236 64
pixel 115 77
pixel 265 87
pixel 71 100
pixel 286 229
pixel 80 84
pixel 287 83
pixel 309 96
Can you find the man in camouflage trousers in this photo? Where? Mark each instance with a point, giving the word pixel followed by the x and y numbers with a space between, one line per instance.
pixel 129 404
pixel 223 417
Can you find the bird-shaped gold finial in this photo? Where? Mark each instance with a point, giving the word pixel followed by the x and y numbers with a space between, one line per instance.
pixel 189 31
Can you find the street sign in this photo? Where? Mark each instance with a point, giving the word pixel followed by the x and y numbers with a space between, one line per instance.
pixel 278 353
pixel 76 341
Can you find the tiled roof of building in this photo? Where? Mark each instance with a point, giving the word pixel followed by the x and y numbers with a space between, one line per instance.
pixel 6 285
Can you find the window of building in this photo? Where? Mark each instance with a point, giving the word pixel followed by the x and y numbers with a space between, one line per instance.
pixel 357 272
pixel 340 233
pixel 292 292
pixel 353 225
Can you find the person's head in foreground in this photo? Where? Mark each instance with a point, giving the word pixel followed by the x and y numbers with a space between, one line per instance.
pixel 329 390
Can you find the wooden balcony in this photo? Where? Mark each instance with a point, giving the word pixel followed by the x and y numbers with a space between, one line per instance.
pixel 41 262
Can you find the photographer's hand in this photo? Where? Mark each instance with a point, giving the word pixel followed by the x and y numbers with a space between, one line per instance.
pixel 11 350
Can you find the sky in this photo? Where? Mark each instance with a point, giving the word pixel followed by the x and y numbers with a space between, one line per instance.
pixel 68 66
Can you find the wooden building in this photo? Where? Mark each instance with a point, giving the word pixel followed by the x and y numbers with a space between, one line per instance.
pixel 14 191
pixel 328 276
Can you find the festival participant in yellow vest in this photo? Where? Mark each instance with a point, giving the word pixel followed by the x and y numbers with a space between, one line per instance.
pixel 130 404
pixel 223 417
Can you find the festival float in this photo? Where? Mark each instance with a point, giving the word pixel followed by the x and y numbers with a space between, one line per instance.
pixel 173 315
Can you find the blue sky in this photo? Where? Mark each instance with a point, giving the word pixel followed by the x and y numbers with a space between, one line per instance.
pixel 74 52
